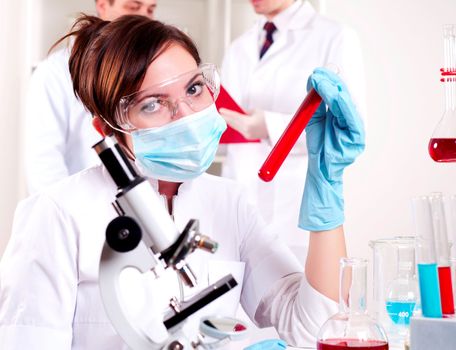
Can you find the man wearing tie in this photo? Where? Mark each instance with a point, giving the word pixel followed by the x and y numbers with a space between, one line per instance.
pixel 265 70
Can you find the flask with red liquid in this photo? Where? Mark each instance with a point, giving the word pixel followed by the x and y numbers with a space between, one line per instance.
pixel 442 145
pixel 352 327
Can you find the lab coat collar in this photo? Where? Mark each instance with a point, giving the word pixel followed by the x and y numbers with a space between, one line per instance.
pixel 297 16
pixel 188 201
pixel 183 187
pixel 303 16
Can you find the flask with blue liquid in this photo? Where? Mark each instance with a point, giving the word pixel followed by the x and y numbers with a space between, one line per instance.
pixel 395 287
pixel 402 293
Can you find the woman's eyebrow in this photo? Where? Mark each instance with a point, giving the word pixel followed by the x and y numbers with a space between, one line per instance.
pixel 192 79
pixel 157 95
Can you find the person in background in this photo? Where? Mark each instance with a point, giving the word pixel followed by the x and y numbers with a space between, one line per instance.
pixel 145 84
pixel 265 70
pixel 59 134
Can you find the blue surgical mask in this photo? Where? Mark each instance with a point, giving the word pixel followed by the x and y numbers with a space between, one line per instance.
pixel 180 150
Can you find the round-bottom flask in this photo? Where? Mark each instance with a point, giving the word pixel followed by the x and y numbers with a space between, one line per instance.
pixel 352 327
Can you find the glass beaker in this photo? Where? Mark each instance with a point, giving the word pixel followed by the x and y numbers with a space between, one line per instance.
pixel 395 286
pixel 442 145
pixel 352 327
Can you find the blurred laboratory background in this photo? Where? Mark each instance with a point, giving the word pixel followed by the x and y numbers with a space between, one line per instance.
pixel 403 51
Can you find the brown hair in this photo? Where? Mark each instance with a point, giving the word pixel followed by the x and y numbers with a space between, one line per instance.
pixel 109 59
pixel 110 1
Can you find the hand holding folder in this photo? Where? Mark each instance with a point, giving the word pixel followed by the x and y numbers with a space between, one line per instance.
pixel 224 100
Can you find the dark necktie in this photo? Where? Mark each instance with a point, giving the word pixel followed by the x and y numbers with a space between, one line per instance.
pixel 270 28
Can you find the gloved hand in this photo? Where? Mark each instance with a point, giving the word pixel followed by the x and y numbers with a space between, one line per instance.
pixel 335 137
pixel 251 126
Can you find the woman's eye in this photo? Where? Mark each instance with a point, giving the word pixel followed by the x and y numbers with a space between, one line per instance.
pixel 195 89
pixel 150 106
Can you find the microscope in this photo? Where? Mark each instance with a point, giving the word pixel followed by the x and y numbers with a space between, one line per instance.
pixel 144 236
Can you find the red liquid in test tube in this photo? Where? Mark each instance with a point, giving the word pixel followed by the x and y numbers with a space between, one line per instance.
pixel 289 137
pixel 442 248
pixel 446 290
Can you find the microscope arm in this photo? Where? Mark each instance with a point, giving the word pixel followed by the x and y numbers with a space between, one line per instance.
pixel 111 265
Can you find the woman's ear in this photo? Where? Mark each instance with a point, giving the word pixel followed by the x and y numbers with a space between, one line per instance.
pixel 104 130
pixel 100 126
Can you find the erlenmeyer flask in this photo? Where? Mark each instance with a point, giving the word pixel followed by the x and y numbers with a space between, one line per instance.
pixel 442 145
pixel 352 327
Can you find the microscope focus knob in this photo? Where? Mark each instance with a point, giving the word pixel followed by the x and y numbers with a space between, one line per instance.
pixel 175 345
pixel 123 234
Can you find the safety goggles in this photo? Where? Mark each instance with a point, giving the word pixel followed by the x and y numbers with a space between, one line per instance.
pixel 159 104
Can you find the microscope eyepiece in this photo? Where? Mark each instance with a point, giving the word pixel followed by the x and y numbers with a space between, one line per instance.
pixel 116 162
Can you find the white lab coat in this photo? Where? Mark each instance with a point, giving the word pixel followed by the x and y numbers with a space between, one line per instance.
pixel 277 84
pixel 49 297
pixel 59 134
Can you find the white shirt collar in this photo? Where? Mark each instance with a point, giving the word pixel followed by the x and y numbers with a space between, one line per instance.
pixel 283 19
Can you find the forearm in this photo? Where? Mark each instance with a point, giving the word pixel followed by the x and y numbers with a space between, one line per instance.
pixel 322 264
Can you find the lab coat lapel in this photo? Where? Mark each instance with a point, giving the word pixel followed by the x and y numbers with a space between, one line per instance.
pixel 253 51
pixel 189 204
pixel 276 48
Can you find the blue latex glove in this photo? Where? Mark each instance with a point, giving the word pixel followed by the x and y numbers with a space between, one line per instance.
pixel 269 344
pixel 335 137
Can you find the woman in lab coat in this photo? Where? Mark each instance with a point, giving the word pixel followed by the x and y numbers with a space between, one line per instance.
pixel 143 81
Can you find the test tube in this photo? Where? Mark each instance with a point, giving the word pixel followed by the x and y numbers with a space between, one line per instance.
pixel 450 211
pixel 453 275
pixel 426 259
pixel 442 247
pixel 289 137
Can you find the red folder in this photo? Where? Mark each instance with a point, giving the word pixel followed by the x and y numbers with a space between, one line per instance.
pixel 224 100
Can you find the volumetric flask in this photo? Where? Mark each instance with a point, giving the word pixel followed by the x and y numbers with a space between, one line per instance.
pixel 442 145
pixel 352 327
pixel 395 286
